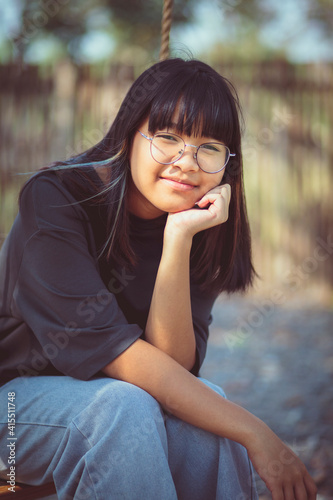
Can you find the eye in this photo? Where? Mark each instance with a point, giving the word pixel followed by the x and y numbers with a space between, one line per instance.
pixel 212 148
pixel 168 137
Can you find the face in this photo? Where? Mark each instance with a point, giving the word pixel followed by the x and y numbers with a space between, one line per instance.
pixel 156 188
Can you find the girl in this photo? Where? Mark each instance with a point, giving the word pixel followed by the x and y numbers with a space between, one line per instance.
pixel 108 278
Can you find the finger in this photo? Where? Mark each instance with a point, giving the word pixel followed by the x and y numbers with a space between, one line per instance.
pixel 220 204
pixel 300 491
pixel 208 198
pixel 289 494
pixel 277 494
pixel 214 194
pixel 225 197
pixel 220 209
pixel 310 487
pixel 226 191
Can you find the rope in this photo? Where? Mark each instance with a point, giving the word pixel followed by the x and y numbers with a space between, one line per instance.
pixel 165 29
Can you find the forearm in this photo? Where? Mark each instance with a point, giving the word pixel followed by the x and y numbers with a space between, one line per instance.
pixel 181 393
pixel 170 325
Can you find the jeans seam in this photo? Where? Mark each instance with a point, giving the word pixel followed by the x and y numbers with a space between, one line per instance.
pixel 92 483
pixel 82 433
pixel 91 446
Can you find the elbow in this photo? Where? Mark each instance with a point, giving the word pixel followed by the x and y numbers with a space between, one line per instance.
pixel 188 362
pixel 184 354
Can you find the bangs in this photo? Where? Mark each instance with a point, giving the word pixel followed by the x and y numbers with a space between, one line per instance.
pixel 197 105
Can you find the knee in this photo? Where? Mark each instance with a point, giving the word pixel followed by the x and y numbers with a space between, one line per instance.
pixel 120 406
pixel 122 421
pixel 125 398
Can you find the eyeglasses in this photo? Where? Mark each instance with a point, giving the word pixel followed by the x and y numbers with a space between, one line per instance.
pixel 167 148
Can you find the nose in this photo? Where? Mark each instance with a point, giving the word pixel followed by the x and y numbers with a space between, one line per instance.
pixel 188 161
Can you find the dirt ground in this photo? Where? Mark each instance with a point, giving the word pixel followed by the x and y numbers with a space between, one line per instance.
pixel 277 361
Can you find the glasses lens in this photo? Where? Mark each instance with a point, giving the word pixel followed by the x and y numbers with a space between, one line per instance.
pixel 212 157
pixel 167 148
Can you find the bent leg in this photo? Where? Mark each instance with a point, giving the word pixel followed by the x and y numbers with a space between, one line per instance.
pixel 96 439
pixel 205 466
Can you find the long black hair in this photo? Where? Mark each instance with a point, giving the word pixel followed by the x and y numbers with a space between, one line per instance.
pixel 208 105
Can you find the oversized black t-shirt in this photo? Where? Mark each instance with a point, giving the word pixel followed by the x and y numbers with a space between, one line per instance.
pixel 63 310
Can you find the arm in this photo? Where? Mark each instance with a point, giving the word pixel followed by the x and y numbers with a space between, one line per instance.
pixel 170 325
pixel 189 399
pixel 73 322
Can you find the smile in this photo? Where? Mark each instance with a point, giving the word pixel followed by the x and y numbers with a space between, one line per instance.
pixel 178 185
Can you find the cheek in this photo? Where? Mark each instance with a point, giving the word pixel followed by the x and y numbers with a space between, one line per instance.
pixel 221 175
pixel 214 180
pixel 136 159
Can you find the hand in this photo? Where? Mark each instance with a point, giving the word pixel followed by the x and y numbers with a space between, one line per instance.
pixel 282 471
pixel 189 222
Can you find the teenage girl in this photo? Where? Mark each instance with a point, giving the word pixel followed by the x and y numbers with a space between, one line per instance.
pixel 108 278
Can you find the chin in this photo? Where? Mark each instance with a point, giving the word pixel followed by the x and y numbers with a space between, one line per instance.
pixel 178 207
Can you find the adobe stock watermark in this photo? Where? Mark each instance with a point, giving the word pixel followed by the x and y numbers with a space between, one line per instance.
pixel 150 81
pixel 227 6
pixel 129 441
pixel 87 310
pixel 90 138
pixel 39 18
pixel 281 120
pixel 252 144
pixel 292 281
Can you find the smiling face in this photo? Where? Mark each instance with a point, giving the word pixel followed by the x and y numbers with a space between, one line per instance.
pixel 155 188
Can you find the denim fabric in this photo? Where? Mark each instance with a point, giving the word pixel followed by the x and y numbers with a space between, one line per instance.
pixel 105 439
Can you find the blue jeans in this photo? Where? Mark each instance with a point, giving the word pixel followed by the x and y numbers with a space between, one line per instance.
pixel 105 439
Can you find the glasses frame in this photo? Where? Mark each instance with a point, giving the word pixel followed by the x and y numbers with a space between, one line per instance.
pixel 150 139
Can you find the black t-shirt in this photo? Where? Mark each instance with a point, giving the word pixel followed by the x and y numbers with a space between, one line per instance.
pixel 62 309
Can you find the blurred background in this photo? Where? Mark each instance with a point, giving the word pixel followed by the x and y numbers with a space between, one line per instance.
pixel 65 67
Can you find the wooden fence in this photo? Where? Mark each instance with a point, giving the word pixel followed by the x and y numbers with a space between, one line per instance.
pixel 53 113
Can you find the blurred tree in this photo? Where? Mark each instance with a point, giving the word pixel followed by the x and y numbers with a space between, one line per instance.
pixel 134 22
pixel 131 22
pixel 322 12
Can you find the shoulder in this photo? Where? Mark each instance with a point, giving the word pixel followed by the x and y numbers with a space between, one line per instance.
pixel 42 181
pixel 48 199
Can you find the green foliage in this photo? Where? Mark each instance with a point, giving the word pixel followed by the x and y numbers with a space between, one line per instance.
pixel 137 24
pixel 322 12
pixel 131 22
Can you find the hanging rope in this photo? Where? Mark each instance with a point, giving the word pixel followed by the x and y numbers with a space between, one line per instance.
pixel 165 29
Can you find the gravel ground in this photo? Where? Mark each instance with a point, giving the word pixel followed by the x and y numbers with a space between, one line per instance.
pixel 277 361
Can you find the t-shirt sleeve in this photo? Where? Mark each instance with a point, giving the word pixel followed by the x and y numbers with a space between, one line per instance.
pixel 202 304
pixel 59 292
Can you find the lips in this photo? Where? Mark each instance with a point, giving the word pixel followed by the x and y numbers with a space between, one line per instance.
pixel 178 184
pixel 180 181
